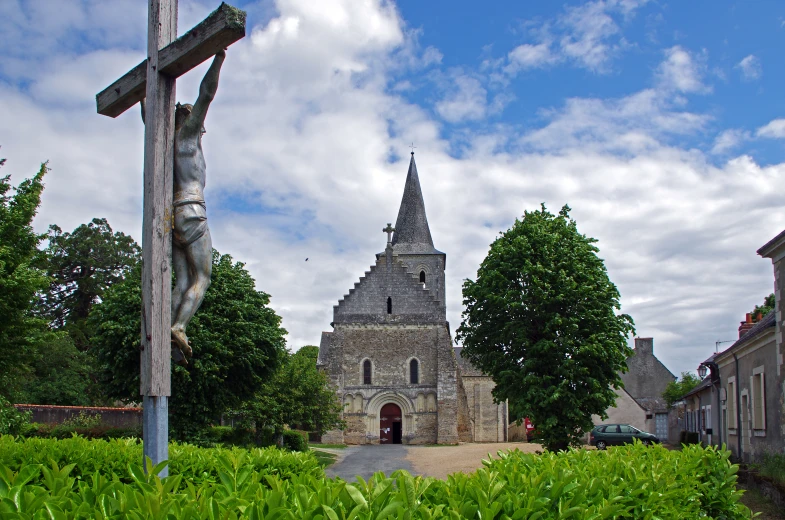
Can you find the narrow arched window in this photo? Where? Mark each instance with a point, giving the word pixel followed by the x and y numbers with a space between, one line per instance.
pixel 389 305
pixel 414 372
pixel 422 276
pixel 367 372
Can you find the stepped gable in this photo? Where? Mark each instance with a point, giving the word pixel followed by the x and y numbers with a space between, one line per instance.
pixel 412 234
pixel 411 302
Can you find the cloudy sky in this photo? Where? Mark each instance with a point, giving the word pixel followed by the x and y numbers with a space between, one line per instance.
pixel 661 123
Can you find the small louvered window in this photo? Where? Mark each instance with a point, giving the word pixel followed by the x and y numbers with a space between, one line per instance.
pixel 389 305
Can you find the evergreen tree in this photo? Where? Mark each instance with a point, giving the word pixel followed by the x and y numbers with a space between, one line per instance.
pixel 20 281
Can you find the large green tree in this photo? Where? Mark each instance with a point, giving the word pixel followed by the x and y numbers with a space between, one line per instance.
pixel 21 332
pixel 237 340
pixel 541 319
pixel 82 265
pixel 298 395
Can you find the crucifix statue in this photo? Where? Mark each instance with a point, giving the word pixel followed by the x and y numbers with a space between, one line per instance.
pixel 389 230
pixel 171 164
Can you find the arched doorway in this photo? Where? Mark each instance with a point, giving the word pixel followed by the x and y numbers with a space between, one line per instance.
pixel 390 424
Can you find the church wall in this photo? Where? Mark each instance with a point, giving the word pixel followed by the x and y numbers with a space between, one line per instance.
pixel 433 265
pixel 367 302
pixel 428 417
pixel 487 418
pixel 389 348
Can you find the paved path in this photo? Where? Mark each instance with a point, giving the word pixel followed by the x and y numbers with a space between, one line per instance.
pixel 367 460
pixel 433 461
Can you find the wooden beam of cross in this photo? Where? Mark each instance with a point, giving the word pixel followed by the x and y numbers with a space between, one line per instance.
pixel 154 79
pixel 221 28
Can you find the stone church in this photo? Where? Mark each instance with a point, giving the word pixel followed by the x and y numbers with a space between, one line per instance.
pixel 390 354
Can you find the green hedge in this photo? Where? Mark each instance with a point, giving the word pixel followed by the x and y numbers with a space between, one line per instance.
pixel 625 482
pixel 112 458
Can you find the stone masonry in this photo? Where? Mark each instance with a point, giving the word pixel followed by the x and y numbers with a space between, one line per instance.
pixel 391 344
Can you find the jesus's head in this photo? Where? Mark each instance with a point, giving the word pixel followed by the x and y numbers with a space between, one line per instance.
pixel 181 114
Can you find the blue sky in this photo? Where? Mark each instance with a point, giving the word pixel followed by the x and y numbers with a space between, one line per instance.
pixel 662 124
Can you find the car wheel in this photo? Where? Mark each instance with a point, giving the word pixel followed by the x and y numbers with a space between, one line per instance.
pixel 645 442
pixel 600 445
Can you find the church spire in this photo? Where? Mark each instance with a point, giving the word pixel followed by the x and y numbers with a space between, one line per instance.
pixel 412 234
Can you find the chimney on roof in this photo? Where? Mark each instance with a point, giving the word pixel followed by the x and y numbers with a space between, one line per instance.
pixel 644 346
pixel 746 325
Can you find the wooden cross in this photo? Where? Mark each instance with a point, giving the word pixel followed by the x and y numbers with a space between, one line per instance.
pixel 154 80
pixel 389 230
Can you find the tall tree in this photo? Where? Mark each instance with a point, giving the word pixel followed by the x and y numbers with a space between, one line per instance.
pixel 541 320
pixel 82 265
pixel 237 340
pixel 298 395
pixel 20 280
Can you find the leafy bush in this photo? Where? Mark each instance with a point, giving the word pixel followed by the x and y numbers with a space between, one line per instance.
pixel 295 440
pixel 112 458
pixel 625 482
pixel 12 421
pixel 230 436
pixel 772 465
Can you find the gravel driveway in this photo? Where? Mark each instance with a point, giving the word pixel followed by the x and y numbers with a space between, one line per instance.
pixel 433 461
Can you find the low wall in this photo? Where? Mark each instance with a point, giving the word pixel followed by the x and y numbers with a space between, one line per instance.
pixel 115 417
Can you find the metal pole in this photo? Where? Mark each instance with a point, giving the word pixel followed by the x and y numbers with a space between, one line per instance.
pixel 155 429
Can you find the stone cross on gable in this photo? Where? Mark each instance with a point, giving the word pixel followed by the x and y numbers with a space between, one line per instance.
pixel 389 230
pixel 154 80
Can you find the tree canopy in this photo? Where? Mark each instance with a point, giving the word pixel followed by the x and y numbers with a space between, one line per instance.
pixel 298 395
pixel 82 265
pixel 20 280
pixel 676 389
pixel 541 320
pixel 237 340
pixel 762 310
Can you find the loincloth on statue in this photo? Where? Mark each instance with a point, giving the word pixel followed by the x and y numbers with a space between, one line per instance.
pixel 190 221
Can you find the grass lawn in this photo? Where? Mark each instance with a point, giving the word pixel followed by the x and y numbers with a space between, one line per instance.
pixel 330 446
pixel 324 458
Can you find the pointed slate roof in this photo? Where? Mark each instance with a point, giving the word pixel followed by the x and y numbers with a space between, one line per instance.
pixel 412 234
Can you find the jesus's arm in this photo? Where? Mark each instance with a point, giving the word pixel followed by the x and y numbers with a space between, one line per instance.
pixel 207 92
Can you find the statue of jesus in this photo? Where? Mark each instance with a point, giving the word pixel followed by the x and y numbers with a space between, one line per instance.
pixel 192 246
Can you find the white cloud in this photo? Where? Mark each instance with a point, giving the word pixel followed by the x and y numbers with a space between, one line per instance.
pixel 774 129
pixel 466 100
pixel 586 35
pixel 529 56
pixel 682 71
pixel 307 133
pixel 751 68
pixel 727 140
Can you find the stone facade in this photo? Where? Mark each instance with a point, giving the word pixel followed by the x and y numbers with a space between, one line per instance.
pixel 391 344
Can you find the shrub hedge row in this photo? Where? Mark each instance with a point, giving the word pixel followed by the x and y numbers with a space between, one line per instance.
pixel 625 482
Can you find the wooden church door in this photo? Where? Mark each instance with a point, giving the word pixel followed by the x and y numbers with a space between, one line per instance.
pixel 390 424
